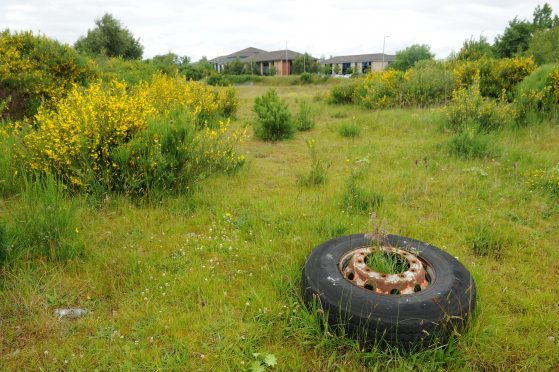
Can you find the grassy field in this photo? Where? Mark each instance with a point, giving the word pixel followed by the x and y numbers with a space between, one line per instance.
pixel 204 281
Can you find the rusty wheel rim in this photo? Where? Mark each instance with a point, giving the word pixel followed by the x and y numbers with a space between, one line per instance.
pixel 416 278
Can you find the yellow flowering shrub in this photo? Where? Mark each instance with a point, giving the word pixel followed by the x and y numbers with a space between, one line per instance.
pixel 74 140
pixel 85 137
pixel 494 75
pixel 34 69
pixel 380 89
pixel 469 108
pixel 167 92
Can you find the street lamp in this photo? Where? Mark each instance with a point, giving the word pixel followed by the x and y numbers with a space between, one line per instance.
pixel 383 45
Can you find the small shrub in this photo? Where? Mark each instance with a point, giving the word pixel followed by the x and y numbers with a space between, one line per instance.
pixel 487 240
pixel 349 130
pixel 306 78
pixel 359 199
pixel 305 120
pixel 273 118
pixel 342 94
pixel 44 225
pixel 319 168
pixel 470 143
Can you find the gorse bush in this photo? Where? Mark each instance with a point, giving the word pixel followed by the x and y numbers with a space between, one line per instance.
pixel 468 107
pixel 81 139
pixel 274 121
pixel 171 155
pixel 44 224
pixel 495 76
pixel 379 90
pixel 304 120
pixel 36 69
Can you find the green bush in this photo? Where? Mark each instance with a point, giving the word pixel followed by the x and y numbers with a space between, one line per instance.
pixel 305 120
pixel 342 94
pixel 273 118
pixel 359 199
pixel 306 78
pixel 470 144
pixel 349 130
pixel 36 69
pixel 427 83
pixel 44 224
pixel 224 80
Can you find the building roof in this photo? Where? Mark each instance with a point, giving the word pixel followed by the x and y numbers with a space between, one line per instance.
pixel 375 57
pixel 276 55
pixel 241 54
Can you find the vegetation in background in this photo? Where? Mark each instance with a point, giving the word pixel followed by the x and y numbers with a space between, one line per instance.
pixel 274 121
pixel 33 69
pixel 407 57
pixel 305 63
pixel 476 49
pixel 544 46
pixel 110 38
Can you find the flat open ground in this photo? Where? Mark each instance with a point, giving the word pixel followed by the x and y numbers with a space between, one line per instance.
pixel 204 281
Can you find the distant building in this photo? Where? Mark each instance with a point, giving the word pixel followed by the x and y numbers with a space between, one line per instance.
pixel 220 62
pixel 280 60
pixel 359 63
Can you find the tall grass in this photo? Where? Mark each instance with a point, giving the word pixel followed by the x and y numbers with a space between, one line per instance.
pixel 44 224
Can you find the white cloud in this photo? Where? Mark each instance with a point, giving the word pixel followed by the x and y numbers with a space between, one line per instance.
pixel 325 27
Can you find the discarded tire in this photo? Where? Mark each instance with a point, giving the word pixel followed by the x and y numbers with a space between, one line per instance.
pixel 431 298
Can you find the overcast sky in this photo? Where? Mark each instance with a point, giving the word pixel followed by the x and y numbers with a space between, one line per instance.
pixel 323 28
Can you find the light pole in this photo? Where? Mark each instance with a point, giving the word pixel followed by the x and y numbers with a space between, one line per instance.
pixel 383 45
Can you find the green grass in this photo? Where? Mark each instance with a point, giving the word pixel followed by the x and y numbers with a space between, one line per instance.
pixel 349 130
pixel 204 281
pixel 387 263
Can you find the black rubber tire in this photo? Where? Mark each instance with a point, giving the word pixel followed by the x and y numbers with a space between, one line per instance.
pixel 420 319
